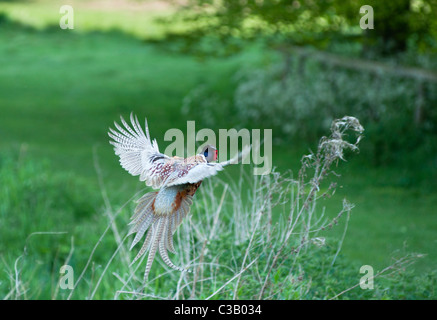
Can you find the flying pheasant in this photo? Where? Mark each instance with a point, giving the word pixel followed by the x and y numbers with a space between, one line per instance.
pixel 161 212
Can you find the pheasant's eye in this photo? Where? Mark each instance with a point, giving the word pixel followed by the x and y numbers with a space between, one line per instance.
pixel 216 155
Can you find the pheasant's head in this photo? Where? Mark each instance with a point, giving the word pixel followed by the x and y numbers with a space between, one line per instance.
pixel 210 153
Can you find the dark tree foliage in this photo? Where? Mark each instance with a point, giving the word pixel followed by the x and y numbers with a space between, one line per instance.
pixel 397 111
pixel 309 22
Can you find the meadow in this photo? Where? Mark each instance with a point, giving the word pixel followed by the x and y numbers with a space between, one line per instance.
pixel 64 199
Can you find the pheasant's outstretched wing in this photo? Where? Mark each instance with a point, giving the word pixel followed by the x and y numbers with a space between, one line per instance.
pixel 138 154
pixel 202 170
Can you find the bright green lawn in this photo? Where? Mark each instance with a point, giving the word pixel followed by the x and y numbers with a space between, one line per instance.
pixel 61 90
pixel 126 16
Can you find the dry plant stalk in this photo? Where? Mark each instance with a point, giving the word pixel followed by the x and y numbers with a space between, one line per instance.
pixel 330 150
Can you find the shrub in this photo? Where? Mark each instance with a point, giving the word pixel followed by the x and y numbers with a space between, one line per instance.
pixel 299 102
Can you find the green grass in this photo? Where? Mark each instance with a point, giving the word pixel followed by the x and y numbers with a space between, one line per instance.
pixel 388 219
pixel 59 93
pixel 129 16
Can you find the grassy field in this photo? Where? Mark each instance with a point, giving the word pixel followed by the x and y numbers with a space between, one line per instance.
pixel 59 93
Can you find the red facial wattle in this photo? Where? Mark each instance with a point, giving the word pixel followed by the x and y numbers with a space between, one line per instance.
pixel 216 155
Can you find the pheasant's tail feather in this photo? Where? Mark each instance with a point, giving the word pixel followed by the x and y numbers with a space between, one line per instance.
pixel 160 230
